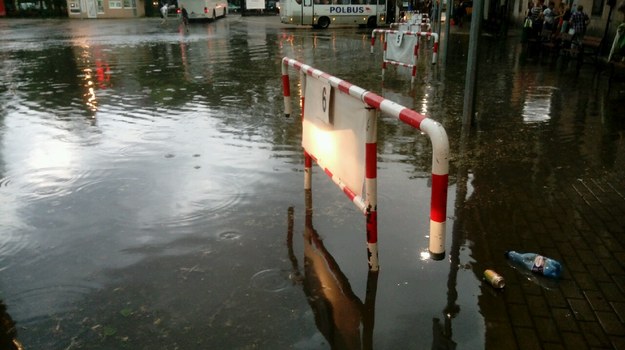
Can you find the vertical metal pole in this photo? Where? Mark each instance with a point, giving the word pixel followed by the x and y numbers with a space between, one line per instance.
pixel 448 16
pixel 604 40
pixel 286 88
pixel 307 157
pixel 471 76
pixel 373 39
pixel 440 180
pixel 384 53
pixel 371 188
pixel 435 48
pixel 415 58
pixel 438 15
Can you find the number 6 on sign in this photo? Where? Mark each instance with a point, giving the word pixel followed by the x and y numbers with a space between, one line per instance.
pixel 318 100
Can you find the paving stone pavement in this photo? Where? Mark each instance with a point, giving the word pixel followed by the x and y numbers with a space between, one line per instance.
pixel 582 225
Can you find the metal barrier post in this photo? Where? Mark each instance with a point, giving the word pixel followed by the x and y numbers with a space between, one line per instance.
pixel 371 188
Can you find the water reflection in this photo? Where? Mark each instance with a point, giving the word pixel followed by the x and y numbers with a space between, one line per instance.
pixel 537 106
pixel 343 319
pixel 190 140
pixel 8 331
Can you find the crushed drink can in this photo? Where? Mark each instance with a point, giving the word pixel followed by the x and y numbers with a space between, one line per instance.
pixel 495 279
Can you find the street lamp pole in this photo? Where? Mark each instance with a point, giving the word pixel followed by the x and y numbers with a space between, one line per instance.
pixel 604 40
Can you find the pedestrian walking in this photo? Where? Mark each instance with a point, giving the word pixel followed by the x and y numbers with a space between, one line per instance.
pixel 185 18
pixel 578 23
pixel 549 16
pixel 566 18
pixel 164 11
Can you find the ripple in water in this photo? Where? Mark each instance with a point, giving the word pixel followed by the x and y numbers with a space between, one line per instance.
pixel 4 182
pixel 218 197
pixel 271 280
pixel 43 183
pixel 101 180
pixel 34 306
pixel 13 240
pixel 229 236
pixel 198 215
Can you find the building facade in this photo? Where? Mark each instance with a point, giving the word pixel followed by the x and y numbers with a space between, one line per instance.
pixel 105 8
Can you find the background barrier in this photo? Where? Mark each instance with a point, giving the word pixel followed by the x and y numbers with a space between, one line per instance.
pixel 403 49
pixel 372 103
pixel 386 33
pixel 413 22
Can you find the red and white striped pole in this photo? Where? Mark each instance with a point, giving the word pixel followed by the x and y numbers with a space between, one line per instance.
pixel 371 188
pixel 440 165
pixel 373 32
pixel 286 91
pixel 307 157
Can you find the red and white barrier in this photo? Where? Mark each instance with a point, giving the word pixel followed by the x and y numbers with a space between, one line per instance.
pixel 372 103
pixel 427 35
pixel 411 21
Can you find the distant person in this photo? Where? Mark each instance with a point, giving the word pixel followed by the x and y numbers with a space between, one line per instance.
pixel 579 22
pixel 559 14
pixel 185 18
pixel 434 12
pixel 536 14
pixel 549 16
pixel 566 18
pixel 459 13
pixel 164 11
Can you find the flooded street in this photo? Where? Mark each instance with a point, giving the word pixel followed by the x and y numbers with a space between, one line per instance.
pixel 151 195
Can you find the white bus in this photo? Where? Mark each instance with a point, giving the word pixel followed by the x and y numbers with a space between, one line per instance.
pixel 204 9
pixel 322 13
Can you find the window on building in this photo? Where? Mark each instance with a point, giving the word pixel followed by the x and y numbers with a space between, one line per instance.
pixel 130 4
pixel 115 4
pixel 100 6
pixel 597 7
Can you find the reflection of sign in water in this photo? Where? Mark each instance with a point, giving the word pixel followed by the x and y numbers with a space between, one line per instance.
pixel 344 320
pixel 537 106
pixel 255 4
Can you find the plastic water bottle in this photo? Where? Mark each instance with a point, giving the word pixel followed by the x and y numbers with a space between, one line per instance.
pixel 536 263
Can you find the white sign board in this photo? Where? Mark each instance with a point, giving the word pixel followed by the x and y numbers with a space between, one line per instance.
pixel 400 47
pixel 334 132
pixel 255 4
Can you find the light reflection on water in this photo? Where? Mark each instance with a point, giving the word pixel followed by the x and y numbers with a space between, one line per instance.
pixel 537 107
pixel 145 177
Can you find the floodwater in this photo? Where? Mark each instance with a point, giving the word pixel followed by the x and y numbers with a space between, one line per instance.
pixel 151 188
